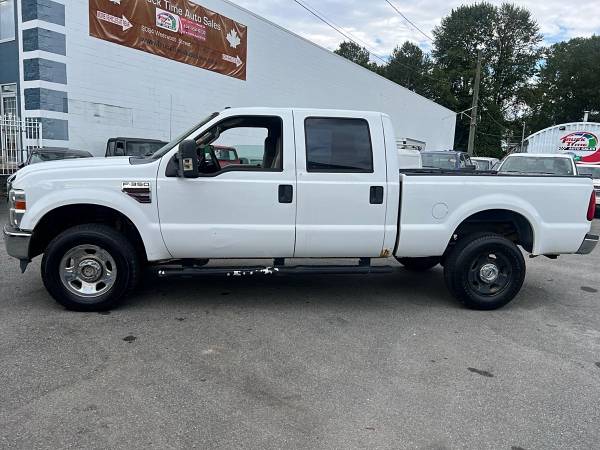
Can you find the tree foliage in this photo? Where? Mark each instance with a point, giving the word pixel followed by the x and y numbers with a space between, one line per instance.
pixel 409 66
pixel 355 53
pixel 568 83
pixel 509 41
pixel 521 82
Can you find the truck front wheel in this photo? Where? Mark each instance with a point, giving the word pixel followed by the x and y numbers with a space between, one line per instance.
pixel 484 271
pixel 90 268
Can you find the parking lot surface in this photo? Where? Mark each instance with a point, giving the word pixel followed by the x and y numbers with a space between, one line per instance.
pixel 382 361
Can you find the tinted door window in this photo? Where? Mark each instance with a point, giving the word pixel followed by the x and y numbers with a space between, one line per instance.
pixel 338 145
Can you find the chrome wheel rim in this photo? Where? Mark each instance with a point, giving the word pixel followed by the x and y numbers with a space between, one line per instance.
pixel 88 271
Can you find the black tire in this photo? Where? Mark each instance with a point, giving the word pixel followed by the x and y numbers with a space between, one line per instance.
pixel 465 271
pixel 120 251
pixel 419 264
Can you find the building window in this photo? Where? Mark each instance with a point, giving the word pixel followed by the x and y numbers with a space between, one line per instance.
pixel 8 100
pixel 338 145
pixel 7 20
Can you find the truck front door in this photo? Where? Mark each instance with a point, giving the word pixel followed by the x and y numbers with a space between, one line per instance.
pixel 237 210
pixel 342 178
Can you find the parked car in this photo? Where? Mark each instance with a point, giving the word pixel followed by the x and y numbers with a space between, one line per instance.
pixel 226 156
pixel 484 163
pixel 124 146
pixel 451 160
pixel 38 155
pixel 593 171
pixel 327 187
pixel 539 164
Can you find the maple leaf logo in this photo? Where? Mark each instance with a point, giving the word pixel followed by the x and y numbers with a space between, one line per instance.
pixel 233 39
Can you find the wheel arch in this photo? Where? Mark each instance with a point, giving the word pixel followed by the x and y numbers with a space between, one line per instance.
pixel 58 219
pixel 511 224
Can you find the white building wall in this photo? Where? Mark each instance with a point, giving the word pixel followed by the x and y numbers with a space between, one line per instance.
pixel 118 91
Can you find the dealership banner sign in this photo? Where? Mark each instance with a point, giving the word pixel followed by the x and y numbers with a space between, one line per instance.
pixel 583 144
pixel 176 29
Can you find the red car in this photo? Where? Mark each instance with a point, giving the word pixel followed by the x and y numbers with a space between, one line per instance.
pixel 227 156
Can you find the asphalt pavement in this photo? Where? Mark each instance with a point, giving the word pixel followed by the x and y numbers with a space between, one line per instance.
pixel 381 361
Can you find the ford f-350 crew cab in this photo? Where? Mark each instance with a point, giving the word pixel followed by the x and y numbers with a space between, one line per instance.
pixel 328 186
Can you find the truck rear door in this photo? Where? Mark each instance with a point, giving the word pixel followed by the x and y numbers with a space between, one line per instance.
pixel 341 183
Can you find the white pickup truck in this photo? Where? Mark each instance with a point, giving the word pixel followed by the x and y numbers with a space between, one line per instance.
pixel 325 184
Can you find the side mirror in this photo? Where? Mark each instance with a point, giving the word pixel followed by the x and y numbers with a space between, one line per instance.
pixel 188 159
pixel 20 165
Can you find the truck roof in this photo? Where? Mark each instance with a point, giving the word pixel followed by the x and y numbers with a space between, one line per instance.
pixel 541 155
pixel 133 139
pixel 323 111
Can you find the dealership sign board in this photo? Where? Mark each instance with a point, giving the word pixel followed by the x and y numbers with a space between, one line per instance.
pixel 176 29
pixel 583 144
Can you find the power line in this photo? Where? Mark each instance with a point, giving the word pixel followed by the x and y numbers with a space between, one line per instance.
pixel 348 36
pixel 345 34
pixel 485 110
pixel 408 20
pixel 365 45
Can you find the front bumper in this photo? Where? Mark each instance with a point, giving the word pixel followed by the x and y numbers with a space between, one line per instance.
pixel 17 242
pixel 589 243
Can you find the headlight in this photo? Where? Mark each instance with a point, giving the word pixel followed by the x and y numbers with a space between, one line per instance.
pixel 17 207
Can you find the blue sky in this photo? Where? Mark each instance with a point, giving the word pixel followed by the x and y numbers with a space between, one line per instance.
pixel 375 23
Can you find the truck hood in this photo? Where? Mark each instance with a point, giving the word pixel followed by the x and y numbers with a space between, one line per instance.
pixel 69 168
pixel 74 164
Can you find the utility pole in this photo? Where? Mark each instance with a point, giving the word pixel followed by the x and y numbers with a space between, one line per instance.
pixel 473 126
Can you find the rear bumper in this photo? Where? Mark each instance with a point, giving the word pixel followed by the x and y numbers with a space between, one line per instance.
pixel 589 243
pixel 17 242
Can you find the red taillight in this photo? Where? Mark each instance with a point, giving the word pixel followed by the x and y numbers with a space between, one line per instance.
pixel 592 207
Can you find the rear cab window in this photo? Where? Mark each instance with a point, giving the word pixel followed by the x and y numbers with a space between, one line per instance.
pixel 341 145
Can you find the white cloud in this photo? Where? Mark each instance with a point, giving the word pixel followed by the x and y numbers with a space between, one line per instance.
pixel 378 26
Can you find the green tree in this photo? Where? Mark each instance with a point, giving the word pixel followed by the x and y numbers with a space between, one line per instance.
pixel 355 53
pixel 409 67
pixel 568 85
pixel 509 40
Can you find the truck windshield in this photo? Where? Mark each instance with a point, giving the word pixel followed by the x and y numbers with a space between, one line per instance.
pixel 140 148
pixel 481 164
pixel 439 160
pixel 163 150
pixel 536 164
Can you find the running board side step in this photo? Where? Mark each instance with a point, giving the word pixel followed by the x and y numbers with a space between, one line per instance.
pixel 171 271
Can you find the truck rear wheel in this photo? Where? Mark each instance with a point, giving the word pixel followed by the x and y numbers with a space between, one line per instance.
pixel 90 268
pixel 419 264
pixel 484 271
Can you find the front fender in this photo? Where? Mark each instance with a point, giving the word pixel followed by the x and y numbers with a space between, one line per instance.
pixel 143 216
